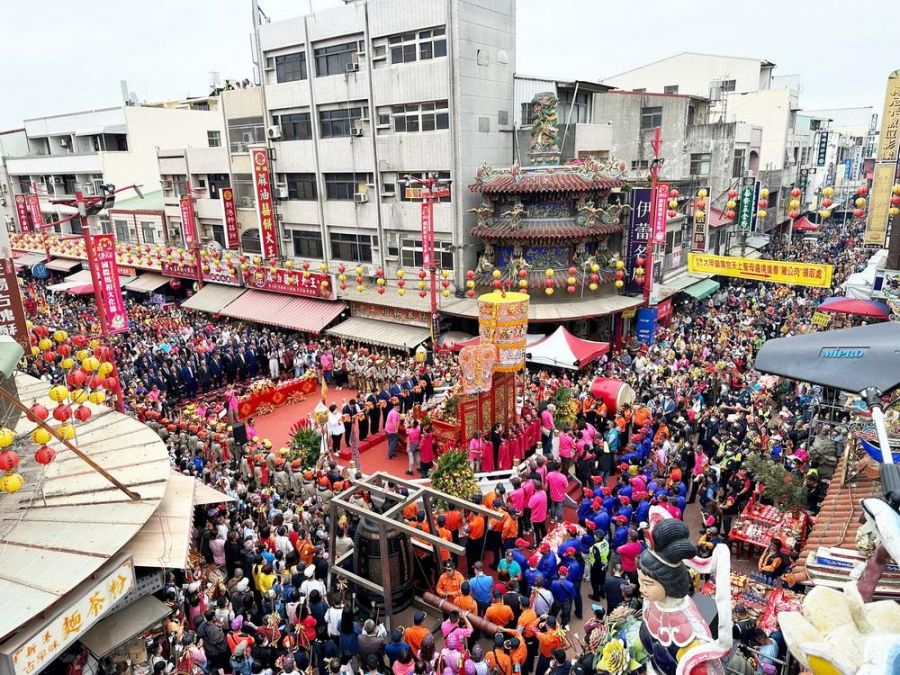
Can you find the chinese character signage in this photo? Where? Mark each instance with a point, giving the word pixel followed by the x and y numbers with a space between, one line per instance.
pixel 820 319
pixel 700 220
pixel 34 208
pixel 645 325
pixel 822 154
pixel 22 214
pixel 12 313
pixel 802 183
pixel 662 203
pixel 108 277
pixel 889 142
pixel 638 233
pixel 262 179
pixel 775 271
pixel 291 282
pixel 188 225
pixel 232 240
pixel 183 270
pixel 848 167
pixel 879 203
pixel 747 204
pixel 427 235
pixel 38 651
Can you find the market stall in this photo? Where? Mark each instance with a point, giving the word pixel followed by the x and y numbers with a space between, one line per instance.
pixel 758 524
pixel 762 600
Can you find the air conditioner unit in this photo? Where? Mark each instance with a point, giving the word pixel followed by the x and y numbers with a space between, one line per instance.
pixel 64 142
pixel 58 181
pixel 281 191
pixel 274 132
pixel 361 197
pixel 356 131
pixel 353 67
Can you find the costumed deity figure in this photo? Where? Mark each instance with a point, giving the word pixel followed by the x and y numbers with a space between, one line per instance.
pixel 674 632
pixel 486 260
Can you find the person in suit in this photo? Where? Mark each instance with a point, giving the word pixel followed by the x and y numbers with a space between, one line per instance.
pixel 203 376
pixel 363 420
pixel 187 377
pixel 174 385
pixel 215 369
pixel 240 362
pixel 384 397
pixel 229 366
pixel 348 412
pixel 374 412
pixel 252 363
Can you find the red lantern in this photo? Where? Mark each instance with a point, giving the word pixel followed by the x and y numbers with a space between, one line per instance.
pixel 862 191
pixel 64 350
pixel 175 284
pixel 570 290
pixel 827 202
pixel 548 283
pixel 342 268
pixel 671 213
pixel 796 192
pixel 730 214
pixel 470 274
pixel 342 286
pixel 62 412
pixel 523 274
pixel 9 460
pixel 446 283
pixel 44 455
pixel 496 283
pixel 82 413
pixel 305 265
pixel 674 194
pixel 380 290
pixel 640 261
pixel 110 383
pixel 763 203
pixel 39 412
pixel 794 214
pixel 572 271
pixel 421 294
pixel 79 341
pixel 422 274
pixel 470 293
pixel 858 213
pixel 50 356
pixel 401 283
pixel 700 203
pixel 619 275
pixel 895 201
pixel 732 194
pixel 595 278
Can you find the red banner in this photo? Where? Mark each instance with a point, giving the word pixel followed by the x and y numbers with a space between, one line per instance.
pixel 262 179
pixel 660 217
pixel 108 277
pixel 127 271
pixel 427 235
pixel 12 313
pixel 34 208
pixel 188 225
pixel 265 400
pixel 291 282
pixel 232 240
pixel 22 213
pixel 184 270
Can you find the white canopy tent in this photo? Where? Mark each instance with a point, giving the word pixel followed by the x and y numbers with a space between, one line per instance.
pixel 561 349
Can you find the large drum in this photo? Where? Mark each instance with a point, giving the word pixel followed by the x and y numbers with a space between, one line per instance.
pixel 367 563
pixel 615 394
pixel 503 322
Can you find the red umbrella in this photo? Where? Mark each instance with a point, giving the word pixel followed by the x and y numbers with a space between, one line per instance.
pixel 855 306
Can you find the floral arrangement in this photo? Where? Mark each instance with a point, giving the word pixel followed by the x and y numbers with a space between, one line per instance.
pixel 567 407
pixel 306 445
pixel 454 475
pixel 617 644
pixel 261 385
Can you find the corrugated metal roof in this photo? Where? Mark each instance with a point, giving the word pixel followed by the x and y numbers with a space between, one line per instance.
pixel 382 333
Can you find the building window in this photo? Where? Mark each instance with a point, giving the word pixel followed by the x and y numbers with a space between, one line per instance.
pixel 300 185
pixel 290 67
pixel 344 185
pixel 640 165
pixel 244 191
pixel 737 168
pixel 670 89
pixel 353 247
pixel 250 241
pixel 574 112
pixel 527 112
pixel 214 138
pixel 246 131
pixel 307 244
pixel 640 90
pixel 728 85
pixel 334 60
pixel 409 177
pixel 295 126
pixel 148 232
pixel 24 185
pixel 218 235
pixel 411 253
pixel 216 181
pixel 700 164
pixel 123 232
pixel 179 185
pixel 418 46
pixel 651 117
pixel 337 123
pixel 74 226
pixel 416 117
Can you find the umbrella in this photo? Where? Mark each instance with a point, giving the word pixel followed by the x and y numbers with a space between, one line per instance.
pixel 855 306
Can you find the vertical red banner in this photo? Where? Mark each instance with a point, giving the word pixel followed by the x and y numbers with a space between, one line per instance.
pixel 188 224
pixel 108 278
pixel 22 214
pixel 262 179
pixel 12 313
pixel 427 235
pixel 34 208
pixel 232 239
pixel 660 217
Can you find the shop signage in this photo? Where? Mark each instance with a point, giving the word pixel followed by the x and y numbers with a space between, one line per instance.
pixel 50 640
pixel 822 155
pixel 701 223
pixel 22 214
pixel 188 224
pixel 427 235
pixel 34 208
pixel 664 316
pixel 391 314
pixel 775 271
pixel 660 216
pixel 110 289
pixel 889 140
pixel 747 204
pixel 848 167
pixel 291 282
pixel 265 204
pixel 232 240
pixel 802 183
pixel 645 329
pixel 879 203
pixel 184 270
pixel 638 233
pixel 127 271
pixel 221 277
pixel 12 313
pixel 821 319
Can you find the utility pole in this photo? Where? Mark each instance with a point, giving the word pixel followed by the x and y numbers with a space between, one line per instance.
pixel 656 144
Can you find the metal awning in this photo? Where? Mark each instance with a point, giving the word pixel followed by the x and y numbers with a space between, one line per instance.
pixel 63 264
pixel 212 298
pixel 147 282
pixel 80 277
pixel 702 289
pixel 306 315
pixel 381 333
pixel 206 494
pixel 757 241
pixel 164 540
pixel 29 259
pixel 125 624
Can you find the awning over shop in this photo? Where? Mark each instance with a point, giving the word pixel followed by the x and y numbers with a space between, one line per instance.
pixel 212 298
pixel 758 241
pixel 164 540
pixel 80 277
pixel 147 282
pixel 381 333
pixel 123 625
pixel 204 494
pixel 702 289
pixel 63 264
pixel 306 315
pixel 29 259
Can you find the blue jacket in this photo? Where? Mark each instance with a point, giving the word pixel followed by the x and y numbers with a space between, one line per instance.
pixel 642 512
pixel 571 543
pixel 620 537
pixel 575 570
pixel 520 558
pixel 601 520
pixel 563 590
pixel 547 566
pixel 584 508
pixel 529 575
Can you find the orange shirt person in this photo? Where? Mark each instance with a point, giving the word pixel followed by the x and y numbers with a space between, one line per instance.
pixel 498 613
pixel 449 583
pixel 499 662
pixel 528 621
pixel 465 601
pixel 415 634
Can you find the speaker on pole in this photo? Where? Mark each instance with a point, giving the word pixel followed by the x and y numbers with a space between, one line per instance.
pixel 240 434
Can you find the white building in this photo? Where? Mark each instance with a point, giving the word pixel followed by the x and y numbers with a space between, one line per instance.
pixel 13 143
pixel 111 145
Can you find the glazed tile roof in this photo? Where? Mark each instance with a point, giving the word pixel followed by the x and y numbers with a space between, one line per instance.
pixel 537 279
pixel 557 229
pixel 560 181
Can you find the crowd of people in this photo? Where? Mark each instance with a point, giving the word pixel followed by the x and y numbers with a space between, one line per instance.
pixel 256 599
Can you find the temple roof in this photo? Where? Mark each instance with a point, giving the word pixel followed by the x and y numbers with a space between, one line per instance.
pixel 557 181
pixel 555 229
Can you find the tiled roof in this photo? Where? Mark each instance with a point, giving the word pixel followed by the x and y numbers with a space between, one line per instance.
pixel 537 278
pixel 556 229
pixel 561 181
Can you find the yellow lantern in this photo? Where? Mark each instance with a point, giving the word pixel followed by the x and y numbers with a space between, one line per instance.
pixel 893 211
pixel 860 203
pixel 523 283
pixel 256 260
pixel 470 284
pixel 44 344
pixel 496 274
pixel 58 393
pixel 762 213
pixel 359 270
pixel 894 190
pixel 593 286
pixel 60 335
pixel 90 364
pixel 824 214
pixel 596 268
pixel 94 344
pixel 82 354
pixel 673 203
pixel 105 368
pixel 445 274
pixel 6 437
pixel 794 203
pixel 401 292
pixel 620 265
pixel 730 204
pixel 79 396
pixel 11 482
pixel 323 267
pixel 702 193
pixel 549 274
pixel 35 350
pixel 28 324
pixel 289 264
pixel 41 436
pixel 763 193
pixel 571 281
pixel 97 397
pixel 380 281
pixel 548 291
pixel 67 363
pixel 619 283
pixel 446 292
pixel 401 273
pixel 360 288
pixel 828 191
pixel 66 431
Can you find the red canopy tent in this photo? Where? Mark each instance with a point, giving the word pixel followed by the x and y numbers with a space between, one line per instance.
pixel 855 306
pixel 563 350
pixel 804 224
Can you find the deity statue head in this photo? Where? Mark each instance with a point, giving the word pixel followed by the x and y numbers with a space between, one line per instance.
pixel 661 569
